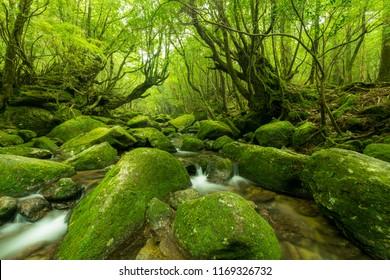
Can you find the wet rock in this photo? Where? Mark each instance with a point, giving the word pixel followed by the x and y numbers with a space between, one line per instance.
pixel 219 170
pixel 224 226
pixel 21 176
pixel 379 151
pixel 8 206
pixel 7 140
pixel 182 196
pixel 182 122
pixel 277 134
pixel 353 190
pixel 213 130
pixel 114 211
pixel 116 136
pixel 75 127
pixel 270 168
pixel 64 189
pixel 192 144
pixel 158 218
pixel 34 208
pixel 258 195
pixel 95 157
pixel 152 137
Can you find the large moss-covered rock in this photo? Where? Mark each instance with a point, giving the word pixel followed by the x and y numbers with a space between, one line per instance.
pixel 115 136
pixel 45 143
pixel 183 122
pixel 75 127
pixel 213 130
pixel 38 120
pixel 26 152
pixel 63 190
pixel 221 142
pixel 20 176
pixel 151 137
pixel 95 157
pixel 192 144
pixel 108 216
pixel 277 134
pixel 7 140
pixel 224 226
pixel 353 190
pixel 379 151
pixel 270 168
pixel 307 135
pixel 140 122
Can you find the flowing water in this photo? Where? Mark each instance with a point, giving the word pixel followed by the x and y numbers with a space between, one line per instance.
pixel 303 232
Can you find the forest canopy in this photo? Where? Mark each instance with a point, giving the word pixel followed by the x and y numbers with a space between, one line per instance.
pixel 178 56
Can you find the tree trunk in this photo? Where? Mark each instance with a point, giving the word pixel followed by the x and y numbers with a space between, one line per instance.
pixel 384 68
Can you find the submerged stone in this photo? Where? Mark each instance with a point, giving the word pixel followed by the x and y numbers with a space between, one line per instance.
pixel 114 211
pixel 353 190
pixel 224 226
pixel 270 168
pixel 21 176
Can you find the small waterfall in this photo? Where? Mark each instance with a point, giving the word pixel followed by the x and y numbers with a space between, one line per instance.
pixel 17 236
pixel 237 180
pixel 200 182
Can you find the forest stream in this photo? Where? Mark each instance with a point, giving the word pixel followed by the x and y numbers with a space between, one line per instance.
pixel 303 231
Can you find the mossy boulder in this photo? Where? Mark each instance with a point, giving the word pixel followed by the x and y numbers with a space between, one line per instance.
pixel 27 135
pixel 213 130
pixel 158 218
pixel 75 127
pixel 379 151
pixel 307 135
pixel 141 122
pixel 113 212
pixel 26 152
pixel 192 144
pixel 219 170
pixel 152 137
pixel 224 226
pixel 21 176
pixel 95 157
pixel 183 122
pixel 63 190
pixel 221 142
pixel 38 120
pixel 270 168
pixel 45 143
pixel 353 190
pixel 116 136
pixel 277 134
pixel 7 140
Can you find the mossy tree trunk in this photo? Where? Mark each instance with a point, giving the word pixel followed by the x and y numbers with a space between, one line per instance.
pixel 384 68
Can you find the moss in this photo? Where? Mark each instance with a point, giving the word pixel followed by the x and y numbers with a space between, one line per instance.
pixel 140 122
pixel 192 144
pixel 213 130
pixel 270 168
pixel 151 137
pixel 353 190
pixel 45 143
pixel 115 210
pixel 182 122
pixel 26 152
pixel 221 142
pixel 115 136
pixel 307 135
pixel 20 176
pixel 379 151
pixel 75 127
pixel 277 134
pixel 95 157
pixel 346 104
pixel 7 140
pixel 224 226
pixel 64 189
